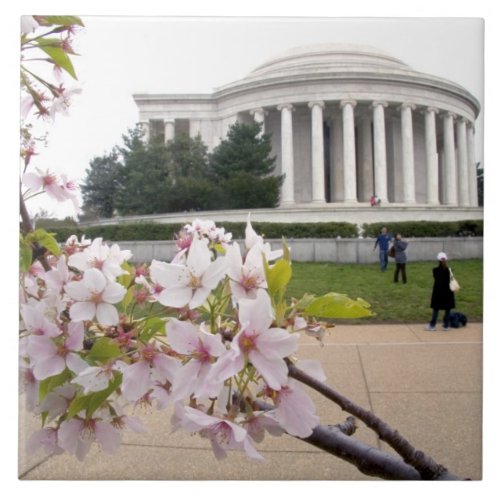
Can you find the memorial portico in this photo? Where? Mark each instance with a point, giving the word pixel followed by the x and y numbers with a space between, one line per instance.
pixel 346 123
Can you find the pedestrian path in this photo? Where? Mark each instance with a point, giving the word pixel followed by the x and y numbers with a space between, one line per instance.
pixel 427 385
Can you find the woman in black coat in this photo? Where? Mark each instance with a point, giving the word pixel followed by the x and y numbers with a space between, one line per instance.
pixel 442 297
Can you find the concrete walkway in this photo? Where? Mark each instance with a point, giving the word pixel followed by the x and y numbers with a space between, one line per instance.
pixel 427 385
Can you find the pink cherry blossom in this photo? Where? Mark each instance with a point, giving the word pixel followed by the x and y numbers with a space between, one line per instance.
pixel 154 288
pixel 47 181
pixel 94 378
pixel 245 278
pixel 57 402
pixel 58 277
pixel 50 358
pixel 223 434
pixel 100 256
pixel 264 347
pixel 35 320
pixel 46 439
pixel 28 24
pixel 189 284
pixel 28 384
pixel 294 410
pixel 253 239
pixel 76 436
pixel 203 348
pixel 94 296
pixel 151 367
pixel 258 423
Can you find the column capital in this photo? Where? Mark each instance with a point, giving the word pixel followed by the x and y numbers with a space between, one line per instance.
pixel 405 105
pixel 258 110
pixel 471 125
pixel 462 119
pixel 384 104
pixel 346 102
pixel 431 109
pixel 321 104
pixel 449 114
pixel 280 107
pixel 168 120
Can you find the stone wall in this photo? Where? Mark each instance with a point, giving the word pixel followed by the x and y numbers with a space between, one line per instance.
pixel 341 250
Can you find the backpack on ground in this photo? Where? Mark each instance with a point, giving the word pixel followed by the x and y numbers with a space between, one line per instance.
pixel 458 319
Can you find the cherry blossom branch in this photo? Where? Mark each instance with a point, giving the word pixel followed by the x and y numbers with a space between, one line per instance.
pixel 425 465
pixel 27 227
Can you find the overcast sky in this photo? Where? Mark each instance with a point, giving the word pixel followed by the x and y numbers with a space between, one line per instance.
pixel 123 55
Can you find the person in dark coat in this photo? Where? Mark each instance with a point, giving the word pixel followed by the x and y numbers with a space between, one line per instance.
pixel 442 297
pixel 400 258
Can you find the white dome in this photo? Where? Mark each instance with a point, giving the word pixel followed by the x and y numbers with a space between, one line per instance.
pixel 329 58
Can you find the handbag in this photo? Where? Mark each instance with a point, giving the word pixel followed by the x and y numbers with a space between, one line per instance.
pixel 454 286
pixel 392 252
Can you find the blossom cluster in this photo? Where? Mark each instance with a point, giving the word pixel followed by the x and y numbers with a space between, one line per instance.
pixel 206 335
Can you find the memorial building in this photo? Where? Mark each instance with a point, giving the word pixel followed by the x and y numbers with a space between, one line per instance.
pixel 346 122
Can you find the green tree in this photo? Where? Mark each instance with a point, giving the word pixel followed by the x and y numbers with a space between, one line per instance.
pixel 100 186
pixel 144 176
pixel 242 167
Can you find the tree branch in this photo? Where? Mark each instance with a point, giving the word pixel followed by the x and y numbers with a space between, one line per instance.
pixel 27 227
pixel 426 466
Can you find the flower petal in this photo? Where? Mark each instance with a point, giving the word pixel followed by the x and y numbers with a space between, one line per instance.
pixel 274 371
pixel 113 292
pixel 94 280
pixel 175 297
pixel 77 290
pixel 107 314
pixel 82 311
pixel 182 336
pixel 108 437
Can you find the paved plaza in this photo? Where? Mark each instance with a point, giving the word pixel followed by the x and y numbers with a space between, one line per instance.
pixel 427 385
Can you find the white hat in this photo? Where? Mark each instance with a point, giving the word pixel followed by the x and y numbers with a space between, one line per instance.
pixel 442 256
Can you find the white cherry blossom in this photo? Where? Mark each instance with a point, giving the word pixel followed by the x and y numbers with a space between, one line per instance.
pixel 94 296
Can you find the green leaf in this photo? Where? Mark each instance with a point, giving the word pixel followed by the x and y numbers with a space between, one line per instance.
pixel 336 305
pixel 49 384
pixel 126 279
pixel 60 58
pixel 46 240
pixel 278 276
pixel 91 402
pixel 63 20
pixel 286 251
pixel 151 327
pixel 103 350
pixel 127 299
pixel 25 255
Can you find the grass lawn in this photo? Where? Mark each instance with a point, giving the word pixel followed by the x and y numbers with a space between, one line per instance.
pixel 391 302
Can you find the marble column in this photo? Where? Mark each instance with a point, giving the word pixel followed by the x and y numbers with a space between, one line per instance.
pixel 450 169
pixel 317 152
pixel 287 190
pixel 380 150
pixel 259 116
pixel 349 149
pixel 169 130
pixel 463 171
pixel 431 154
pixel 336 155
pixel 146 130
pixel 408 157
pixel 365 179
pixel 471 160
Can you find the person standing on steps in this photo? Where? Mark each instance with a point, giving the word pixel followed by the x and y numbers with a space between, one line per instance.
pixel 400 258
pixel 442 297
pixel 382 241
